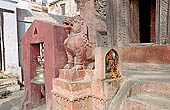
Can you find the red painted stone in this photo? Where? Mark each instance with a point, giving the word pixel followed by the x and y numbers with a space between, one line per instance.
pixel 55 58
pixel 146 54
pixel 80 93
pixel 88 11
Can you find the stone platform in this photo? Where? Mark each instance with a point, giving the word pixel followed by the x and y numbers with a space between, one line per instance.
pixel 146 87
pixel 78 90
pixel 8 84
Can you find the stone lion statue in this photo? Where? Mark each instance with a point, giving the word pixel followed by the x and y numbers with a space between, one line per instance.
pixel 77 45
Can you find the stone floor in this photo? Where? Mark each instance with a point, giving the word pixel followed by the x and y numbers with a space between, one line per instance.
pixel 12 102
pixel 42 107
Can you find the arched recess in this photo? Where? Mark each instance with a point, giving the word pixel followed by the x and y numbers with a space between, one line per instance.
pixel 111 64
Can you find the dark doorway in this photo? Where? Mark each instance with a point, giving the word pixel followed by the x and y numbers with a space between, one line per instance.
pixel 147 9
pixel 142 21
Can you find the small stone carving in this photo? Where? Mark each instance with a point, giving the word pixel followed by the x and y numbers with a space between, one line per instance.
pixel 77 44
pixel 112 65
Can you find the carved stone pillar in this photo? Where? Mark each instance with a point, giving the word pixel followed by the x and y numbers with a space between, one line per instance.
pixel 117 22
pixel 162 20
pixel 111 21
pixel 168 39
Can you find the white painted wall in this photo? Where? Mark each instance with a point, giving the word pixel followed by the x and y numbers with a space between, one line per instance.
pixel 10 38
pixel 70 7
pixel 23 4
pixel 29 5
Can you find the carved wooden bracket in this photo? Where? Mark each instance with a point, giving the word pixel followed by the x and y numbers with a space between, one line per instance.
pixel 100 6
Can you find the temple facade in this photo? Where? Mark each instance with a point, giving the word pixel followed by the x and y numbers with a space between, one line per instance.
pixel 133 24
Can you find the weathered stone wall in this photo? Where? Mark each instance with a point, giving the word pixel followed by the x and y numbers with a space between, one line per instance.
pixel 146 54
pixel 119 22
pixel 88 12
pixel 119 31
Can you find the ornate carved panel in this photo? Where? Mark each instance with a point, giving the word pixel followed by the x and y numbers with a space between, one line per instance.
pixel 100 6
pixel 123 25
pixel 168 39
pixel 117 19
pixel 163 21
pixel 120 31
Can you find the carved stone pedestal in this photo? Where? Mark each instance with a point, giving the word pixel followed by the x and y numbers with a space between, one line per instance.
pixel 72 90
pixel 78 90
pixel 102 93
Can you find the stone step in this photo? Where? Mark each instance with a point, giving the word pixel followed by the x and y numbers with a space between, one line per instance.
pixel 156 88
pixel 8 81
pixel 153 88
pixel 146 101
pixel 146 66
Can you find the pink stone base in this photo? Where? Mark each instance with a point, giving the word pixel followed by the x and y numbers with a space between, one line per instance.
pixel 72 75
pixel 72 91
pixel 62 104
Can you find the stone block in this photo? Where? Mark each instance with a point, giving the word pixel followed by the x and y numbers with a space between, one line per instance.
pixel 156 88
pixel 134 105
pixel 146 54
pixel 70 93
pixel 105 89
pixel 73 75
pixel 71 90
pixel 63 104
pixel 98 104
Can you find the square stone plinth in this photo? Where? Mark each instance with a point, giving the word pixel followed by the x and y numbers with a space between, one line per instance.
pixel 71 90
pixel 73 75
pixel 77 90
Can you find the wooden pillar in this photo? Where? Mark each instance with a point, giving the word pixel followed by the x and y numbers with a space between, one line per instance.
pixel 134 21
pixel 117 22
pixel 111 21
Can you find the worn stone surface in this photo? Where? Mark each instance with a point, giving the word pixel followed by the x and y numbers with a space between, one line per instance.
pixel 88 12
pixel 12 102
pixel 117 21
pixel 148 96
pixel 146 54
pixel 78 92
pixel 72 75
pixel 143 92
pixel 135 105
